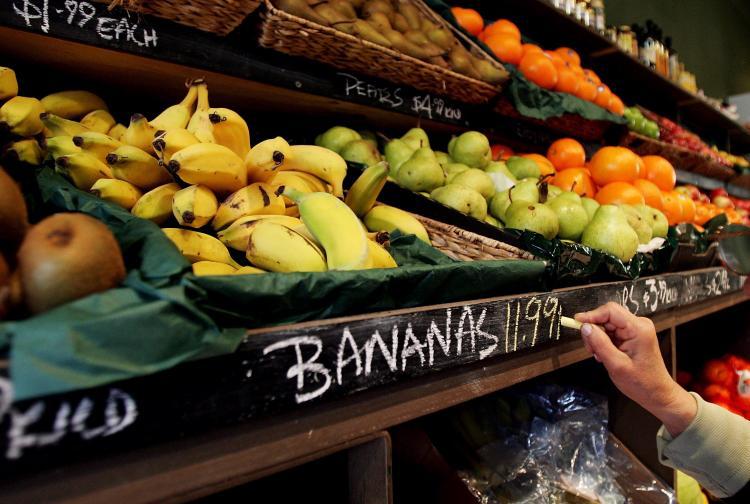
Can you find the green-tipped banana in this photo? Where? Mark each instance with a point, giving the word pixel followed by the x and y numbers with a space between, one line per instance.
pixel 263 159
pixel 156 205
pixel 390 219
pixel 254 199
pixel 379 257
pixel 60 146
pixel 59 126
pixel 24 151
pixel 335 227
pixel 99 120
pixel 83 169
pixel 115 191
pixel 194 206
pixel 137 167
pixel 96 144
pixel 275 247
pixel 366 189
pixel 196 246
pixel 20 116
pixel 319 161
pixel 167 143
pixel 238 234
pixel 210 268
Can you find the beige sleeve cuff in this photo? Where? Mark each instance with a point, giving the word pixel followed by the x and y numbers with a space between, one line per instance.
pixel 714 449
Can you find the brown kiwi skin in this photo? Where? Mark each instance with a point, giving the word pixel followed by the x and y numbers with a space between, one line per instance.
pixel 14 219
pixel 65 257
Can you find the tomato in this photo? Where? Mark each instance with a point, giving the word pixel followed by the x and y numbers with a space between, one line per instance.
pixel 715 393
pixel 718 372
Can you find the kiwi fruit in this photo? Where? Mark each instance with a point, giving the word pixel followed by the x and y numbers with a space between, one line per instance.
pixel 65 257
pixel 14 220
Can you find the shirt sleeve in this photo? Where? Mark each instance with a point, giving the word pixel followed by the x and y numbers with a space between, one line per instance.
pixel 714 449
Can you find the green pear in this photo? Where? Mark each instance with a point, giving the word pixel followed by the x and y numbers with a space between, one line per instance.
pixel 452 170
pixel 452 144
pixel 638 223
pixel 591 206
pixel 397 152
pixel 465 200
pixel 492 221
pixel 471 148
pixel 499 204
pixel 656 219
pixel 361 151
pixel 536 217
pixel 523 168
pixel 369 136
pixel 553 192
pixel 421 172
pixel 571 215
pixel 336 138
pixel 416 138
pixel 500 175
pixel 610 232
pixel 476 179
pixel 525 190
pixel 443 158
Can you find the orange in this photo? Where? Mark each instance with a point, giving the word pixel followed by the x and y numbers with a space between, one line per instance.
pixel 556 59
pixel 566 153
pixel 506 47
pixel 578 71
pixel 567 80
pixel 569 55
pixel 501 152
pixel 651 193
pixel 527 48
pixel 660 172
pixel 503 26
pixel 672 207
pixel 469 19
pixel 618 193
pixel 614 164
pixel 544 164
pixel 586 90
pixel 615 105
pixel 591 75
pixel 603 95
pixel 576 180
pixel 538 68
pixel 688 208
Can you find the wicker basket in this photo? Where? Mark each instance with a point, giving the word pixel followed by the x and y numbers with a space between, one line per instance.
pixel 215 16
pixel 464 245
pixel 299 37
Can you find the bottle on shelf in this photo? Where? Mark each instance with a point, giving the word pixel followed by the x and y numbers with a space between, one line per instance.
pixel 599 19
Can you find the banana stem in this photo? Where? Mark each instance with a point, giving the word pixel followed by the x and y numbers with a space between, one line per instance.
pixel 291 193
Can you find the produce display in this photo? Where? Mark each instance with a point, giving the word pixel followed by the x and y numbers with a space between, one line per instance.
pixel 724 382
pixel 718 202
pixel 638 123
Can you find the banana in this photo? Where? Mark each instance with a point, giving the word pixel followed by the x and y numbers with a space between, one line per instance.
pixel 284 179
pixel 166 143
pixel 292 211
pixel 254 199
pixel 55 125
pixel 366 189
pixel 210 268
pixel 25 151
pixel 60 146
pixel 212 165
pixel 97 144
pixel 335 227
pixel 99 120
pixel 379 256
pixel 72 104
pixel 321 162
pixel 194 206
pixel 274 247
pixel 83 169
pixel 20 116
pixel 177 116
pixel 316 185
pixel 198 247
pixel 263 159
pixel 117 131
pixel 8 83
pixel 387 218
pixel 139 133
pixel 236 236
pixel 115 191
pixel 156 205
pixel 219 125
pixel 249 270
pixel 137 167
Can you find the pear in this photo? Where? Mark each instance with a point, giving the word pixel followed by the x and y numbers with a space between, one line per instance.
pixel 345 7
pixel 638 223
pixel 336 138
pixel 380 20
pixel 443 158
pixel 536 217
pixel 14 218
pixel 361 151
pixel 370 7
pixel 412 15
pixel 522 167
pixel 416 138
pixel 499 204
pixel 472 149
pixel 571 215
pixel 489 72
pixel 441 37
pixel 421 172
pixel 610 232
pixel 400 23
pixel 500 175
pixel 553 192
pixel 461 61
pixel 327 11
pixel 476 179
pixel 370 137
pixel 465 200
pixel 492 221
pixel 397 152
pixel 591 206
pixel 656 219
pixel 452 170
pixel 300 8
pixel 525 190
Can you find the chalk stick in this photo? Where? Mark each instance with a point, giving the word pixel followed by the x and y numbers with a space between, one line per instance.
pixel 570 323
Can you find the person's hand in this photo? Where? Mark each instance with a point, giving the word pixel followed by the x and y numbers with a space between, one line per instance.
pixel 630 351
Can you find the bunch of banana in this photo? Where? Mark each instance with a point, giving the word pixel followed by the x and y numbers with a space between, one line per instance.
pixel 72 104
pixel 20 116
pixel 8 83
pixel 194 206
pixel 219 125
pixel 115 191
pixel 390 219
pixel 25 151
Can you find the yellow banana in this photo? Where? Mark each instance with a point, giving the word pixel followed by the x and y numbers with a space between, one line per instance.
pixel 156 205
pixel 254 199
pixel 25 151
pixel 211 165
pixel 321 162
pixel 137 167
pixel 379 256
pixel 200 124
pixel 20 116
pixel 97 144
pixel 219 125
pixel 263 159
pixel 115 191
pixel 8 83
pixel 72 104
pixel 60 146
pixel 83 169
pixel 210 268
pixel 194 206
pixel 177 116
pixel 316 185
pixel 236 236
pixel 166 143
pixel 285 179
pixel 99 120
pixel 335 227
pixel 366 189
pixel 55 125
pixel 390 219
pixel 117 131
pixel 139 133
pixel 249 270
pixel 292 211
pixel 198 247
pixel 274 247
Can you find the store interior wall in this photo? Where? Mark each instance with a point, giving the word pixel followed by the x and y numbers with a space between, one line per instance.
pixel 712 37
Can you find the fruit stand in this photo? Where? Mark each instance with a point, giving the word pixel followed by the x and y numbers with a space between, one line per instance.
pixel 333 281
